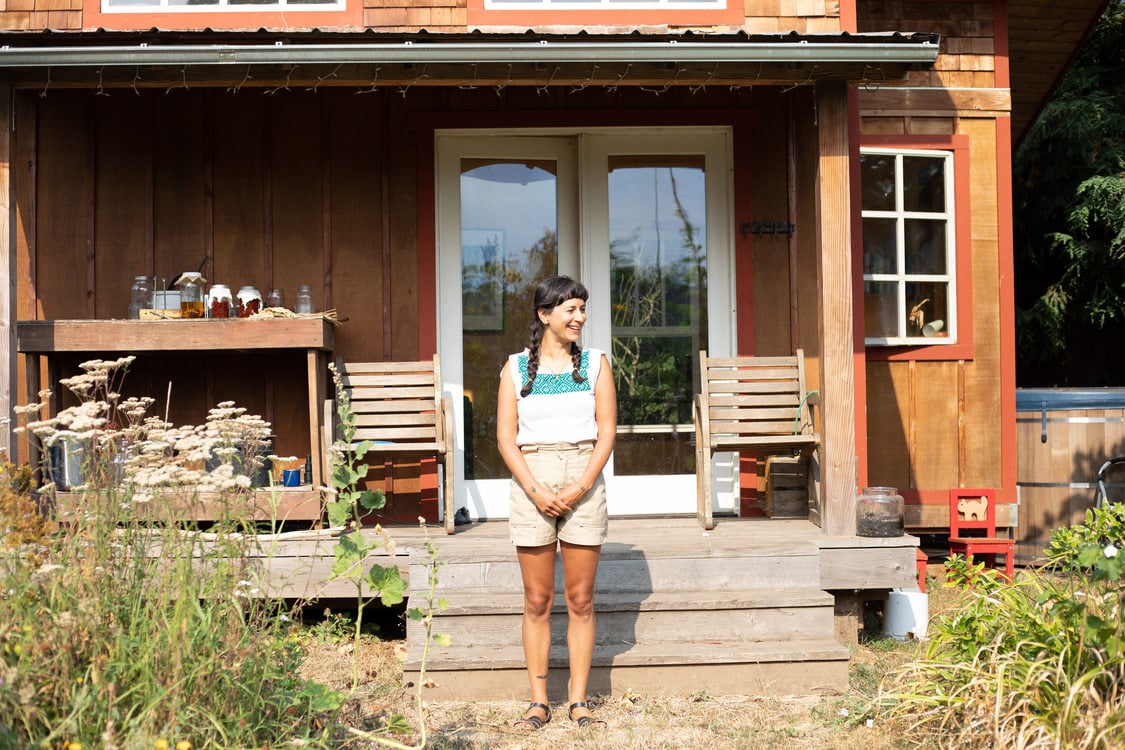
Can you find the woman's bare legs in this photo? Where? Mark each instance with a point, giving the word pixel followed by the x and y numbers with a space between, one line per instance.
pixel 537 567
pixel 580 568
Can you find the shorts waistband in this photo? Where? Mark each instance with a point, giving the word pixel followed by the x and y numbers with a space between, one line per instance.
pixel 557 447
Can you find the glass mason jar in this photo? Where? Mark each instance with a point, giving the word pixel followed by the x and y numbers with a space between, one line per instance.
pixel 275 297
pixel 191 294
pixel 249 301
pixel 219 301
pixel 140 297
pixel 304 300
pixel 878 512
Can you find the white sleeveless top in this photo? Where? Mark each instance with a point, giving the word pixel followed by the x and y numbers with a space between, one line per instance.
pixel 558 410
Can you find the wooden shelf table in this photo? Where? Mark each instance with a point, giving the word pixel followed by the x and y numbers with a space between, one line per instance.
pixel 313 336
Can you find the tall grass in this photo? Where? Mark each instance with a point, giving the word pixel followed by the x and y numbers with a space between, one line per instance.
pixel 1037 663
pixel 122 629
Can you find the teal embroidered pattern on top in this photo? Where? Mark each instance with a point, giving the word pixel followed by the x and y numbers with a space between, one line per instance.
pixel 549 384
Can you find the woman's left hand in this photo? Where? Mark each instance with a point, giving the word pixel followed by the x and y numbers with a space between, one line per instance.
pixel 572 494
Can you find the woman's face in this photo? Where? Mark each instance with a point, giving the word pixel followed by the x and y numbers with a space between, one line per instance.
pixel 565 321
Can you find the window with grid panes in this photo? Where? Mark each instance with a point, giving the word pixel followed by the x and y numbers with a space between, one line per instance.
pixel 909 253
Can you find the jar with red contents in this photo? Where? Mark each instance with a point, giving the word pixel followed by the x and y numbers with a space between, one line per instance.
pixel 249 301
pixel 219 301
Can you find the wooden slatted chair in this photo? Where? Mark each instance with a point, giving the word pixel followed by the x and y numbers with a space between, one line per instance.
pixel 972 528
pixel 750 405
pixel 399 406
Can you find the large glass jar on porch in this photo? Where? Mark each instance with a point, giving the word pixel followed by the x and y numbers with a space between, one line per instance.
pixel 879 512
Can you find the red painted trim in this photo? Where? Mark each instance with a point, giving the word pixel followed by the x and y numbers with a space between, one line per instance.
pixel 1005 250
pixel 251 20
pixel 1000 50
pixel 427 244
pixel 859 349
pixel 963 349
pixel 941 497
pixel 477 15
pixel 849 21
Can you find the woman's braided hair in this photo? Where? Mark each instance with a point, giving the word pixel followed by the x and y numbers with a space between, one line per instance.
pixel 549 294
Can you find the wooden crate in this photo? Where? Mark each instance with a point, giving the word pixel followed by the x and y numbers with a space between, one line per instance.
pixel 787 487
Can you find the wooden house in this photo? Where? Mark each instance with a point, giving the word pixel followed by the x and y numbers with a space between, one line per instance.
pixel 742 176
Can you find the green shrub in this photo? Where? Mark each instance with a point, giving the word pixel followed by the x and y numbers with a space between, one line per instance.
pixel 1032 663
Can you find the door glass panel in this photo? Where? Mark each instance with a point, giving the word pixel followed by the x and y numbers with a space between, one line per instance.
pixel 658 282
pixel 509 230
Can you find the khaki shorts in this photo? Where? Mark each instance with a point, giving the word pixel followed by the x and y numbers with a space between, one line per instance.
pixel 556 466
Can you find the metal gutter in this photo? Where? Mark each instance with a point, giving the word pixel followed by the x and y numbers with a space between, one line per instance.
pixel 800 50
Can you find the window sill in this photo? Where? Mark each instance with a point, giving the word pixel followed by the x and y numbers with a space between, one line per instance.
pixel 93 18
pixel 939 352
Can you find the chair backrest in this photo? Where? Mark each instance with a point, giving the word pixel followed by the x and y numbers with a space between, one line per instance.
pixel 396 404
pixel 973 510
pixel 754 395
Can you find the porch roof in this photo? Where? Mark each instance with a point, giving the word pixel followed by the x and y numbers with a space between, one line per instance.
pixel 482 59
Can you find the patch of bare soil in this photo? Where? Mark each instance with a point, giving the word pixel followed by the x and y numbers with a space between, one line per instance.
pixel 634 721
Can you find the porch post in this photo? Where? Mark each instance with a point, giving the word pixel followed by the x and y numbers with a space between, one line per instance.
pixel 835 323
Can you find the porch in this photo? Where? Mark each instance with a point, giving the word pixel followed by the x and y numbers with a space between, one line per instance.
pixel 753 606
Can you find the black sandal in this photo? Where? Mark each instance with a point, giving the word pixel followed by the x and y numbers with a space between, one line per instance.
pixel 534 721
pixel 583 721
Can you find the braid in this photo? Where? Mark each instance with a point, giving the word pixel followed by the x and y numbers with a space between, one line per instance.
pixel 532 356
pixel 576 361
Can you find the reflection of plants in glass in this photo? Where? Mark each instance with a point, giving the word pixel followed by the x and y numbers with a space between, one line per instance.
pixel 652 369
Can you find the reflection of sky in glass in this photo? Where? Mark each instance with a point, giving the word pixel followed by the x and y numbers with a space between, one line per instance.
pixel 521 211
pixel 642 212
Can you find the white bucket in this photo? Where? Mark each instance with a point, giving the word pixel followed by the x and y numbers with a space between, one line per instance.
pixel 906 615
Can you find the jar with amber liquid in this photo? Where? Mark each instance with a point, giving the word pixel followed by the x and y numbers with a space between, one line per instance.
pixel 191 294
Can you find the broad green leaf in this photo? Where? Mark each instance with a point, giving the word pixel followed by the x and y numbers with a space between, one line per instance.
pixel 388 582
pixel 372 499
pixel 349 554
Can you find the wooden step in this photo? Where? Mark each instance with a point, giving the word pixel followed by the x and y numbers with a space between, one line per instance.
pixel 622 570
pixel 636 617
pixel 717 667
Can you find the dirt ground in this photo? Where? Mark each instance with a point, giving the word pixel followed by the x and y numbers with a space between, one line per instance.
pixel 634 721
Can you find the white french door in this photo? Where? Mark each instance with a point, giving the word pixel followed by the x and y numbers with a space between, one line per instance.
pixel 643 219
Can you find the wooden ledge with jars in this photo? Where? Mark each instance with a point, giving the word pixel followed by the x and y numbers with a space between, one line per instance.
pixel 312 333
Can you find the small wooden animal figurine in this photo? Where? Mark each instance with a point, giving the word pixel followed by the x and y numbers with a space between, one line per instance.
pixel 973 510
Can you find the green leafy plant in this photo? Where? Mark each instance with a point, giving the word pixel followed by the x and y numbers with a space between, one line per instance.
pixel 347 509
pixel 1035 662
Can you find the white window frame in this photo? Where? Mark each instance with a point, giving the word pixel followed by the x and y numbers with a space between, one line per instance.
pixel 224 6
pixel 605 5
pixel 901 278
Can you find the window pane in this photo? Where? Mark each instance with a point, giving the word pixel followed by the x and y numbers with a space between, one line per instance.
pixel 658 277
pixel 879 245
pixel 878 172
pixel 509 223
pixel 923 183
pixel 928 309
pixel 880 305
pixel 925 246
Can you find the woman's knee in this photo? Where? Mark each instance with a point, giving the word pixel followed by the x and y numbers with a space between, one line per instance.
pixel 580 603
pixel 538 602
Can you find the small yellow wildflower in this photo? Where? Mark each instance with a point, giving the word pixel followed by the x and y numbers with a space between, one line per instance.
pixel 74 746
pixel 162 744
pixel 183 745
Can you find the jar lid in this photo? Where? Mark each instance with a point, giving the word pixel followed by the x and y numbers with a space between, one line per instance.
pixel 193 276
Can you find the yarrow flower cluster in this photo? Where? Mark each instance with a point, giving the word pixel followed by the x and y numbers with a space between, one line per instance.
pixel 148 453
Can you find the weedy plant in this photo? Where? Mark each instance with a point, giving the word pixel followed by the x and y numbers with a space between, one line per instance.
pixel 347 508
pixel 120 628
pixel 1037 662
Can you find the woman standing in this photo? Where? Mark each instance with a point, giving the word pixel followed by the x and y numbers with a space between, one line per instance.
pixel 556 425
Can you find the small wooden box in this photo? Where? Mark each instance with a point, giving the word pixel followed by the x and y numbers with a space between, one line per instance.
pixel 787 487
